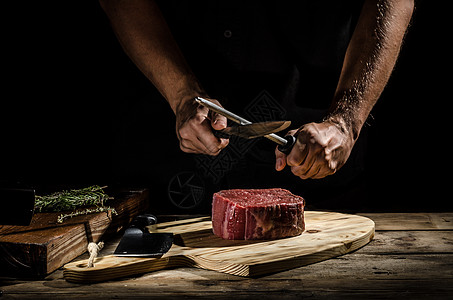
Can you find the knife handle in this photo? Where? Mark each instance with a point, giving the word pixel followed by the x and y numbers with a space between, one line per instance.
pixel 141 221
pixel 290 141
pixel 220 134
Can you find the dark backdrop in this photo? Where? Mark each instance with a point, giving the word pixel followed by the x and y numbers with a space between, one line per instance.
pixel 75 111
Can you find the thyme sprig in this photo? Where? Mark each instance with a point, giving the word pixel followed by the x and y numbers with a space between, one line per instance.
pixel 71 200
pixel 85 211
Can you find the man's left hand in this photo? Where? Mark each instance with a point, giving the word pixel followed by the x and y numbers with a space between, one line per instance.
pixel 320 150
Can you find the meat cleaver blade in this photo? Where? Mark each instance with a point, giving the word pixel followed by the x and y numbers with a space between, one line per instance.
pixel 137 242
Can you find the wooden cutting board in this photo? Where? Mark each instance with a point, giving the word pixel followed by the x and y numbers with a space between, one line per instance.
pixel 45 245
pixel 327 235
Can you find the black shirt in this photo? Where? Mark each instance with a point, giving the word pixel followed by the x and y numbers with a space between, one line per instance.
pixel 293 50
pixel 267 60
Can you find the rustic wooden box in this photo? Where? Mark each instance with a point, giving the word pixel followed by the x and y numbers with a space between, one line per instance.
pixel 45 245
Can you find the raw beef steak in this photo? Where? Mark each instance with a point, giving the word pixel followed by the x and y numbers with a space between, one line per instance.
pixel 254 214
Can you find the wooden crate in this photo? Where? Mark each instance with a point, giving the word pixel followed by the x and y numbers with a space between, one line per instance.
pixel 45 245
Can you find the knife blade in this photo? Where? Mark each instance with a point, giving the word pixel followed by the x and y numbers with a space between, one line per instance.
pixel 285 143
pixel 138 242
pixel 254 130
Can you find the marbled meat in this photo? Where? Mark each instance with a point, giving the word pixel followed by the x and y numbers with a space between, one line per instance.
pixel 254 214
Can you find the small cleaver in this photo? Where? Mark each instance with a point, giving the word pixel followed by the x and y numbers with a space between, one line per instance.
pixel 138 242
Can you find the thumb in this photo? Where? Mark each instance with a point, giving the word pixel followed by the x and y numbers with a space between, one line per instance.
pixel 219 122
pixel 280 160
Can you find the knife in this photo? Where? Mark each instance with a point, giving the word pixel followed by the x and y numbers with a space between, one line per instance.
pixel 285 144
pixel 253 130
pixel 138 242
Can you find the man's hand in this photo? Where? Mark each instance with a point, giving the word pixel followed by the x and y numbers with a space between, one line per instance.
pixel 194 125
pixel 147 39
pixel 320 150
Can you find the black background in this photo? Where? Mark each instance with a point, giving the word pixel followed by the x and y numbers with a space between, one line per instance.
pixel 67 114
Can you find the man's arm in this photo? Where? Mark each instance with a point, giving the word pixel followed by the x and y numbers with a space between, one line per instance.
pixel 147 40
pixel 322 148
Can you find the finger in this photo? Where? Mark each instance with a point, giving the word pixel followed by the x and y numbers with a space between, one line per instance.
pixel 199 148
pixel 320 169
pixel 308 164
pixel 197 136
pixel 188 141
pixel 209 141
pixel 298 154
pixel 326 169
pixel 280 157
pixel 280 160
pixel 321 172
pixel 224 143
pixel 209 145
pixel 219 122
pixel 279 154
pixel 313 171
pixel 187 147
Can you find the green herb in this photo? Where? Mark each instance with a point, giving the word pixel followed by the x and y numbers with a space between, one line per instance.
pixel 71 200
pixel 86 211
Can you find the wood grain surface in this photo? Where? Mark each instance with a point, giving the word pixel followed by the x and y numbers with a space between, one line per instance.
pixel 410 257
pixel 327 235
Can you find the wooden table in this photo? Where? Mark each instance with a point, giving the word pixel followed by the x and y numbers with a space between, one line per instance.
pixel 410 257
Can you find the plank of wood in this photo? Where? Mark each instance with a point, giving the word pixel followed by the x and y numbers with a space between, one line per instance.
pixel 382 269
pixel 411 221
pixel 45 245
pixel 410 242
pixel 327 235
pixel 356 275
pixel 442 221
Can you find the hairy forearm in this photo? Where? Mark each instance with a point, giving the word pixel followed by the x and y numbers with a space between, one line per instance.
pixel 369 61
pixel 146 38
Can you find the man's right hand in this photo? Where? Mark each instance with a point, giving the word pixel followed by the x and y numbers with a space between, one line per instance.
pixel 194 128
